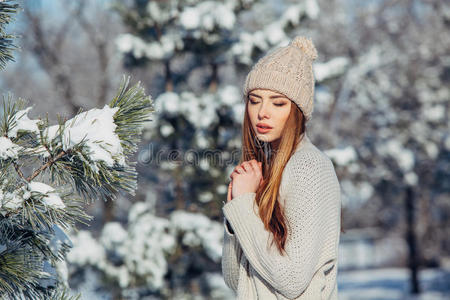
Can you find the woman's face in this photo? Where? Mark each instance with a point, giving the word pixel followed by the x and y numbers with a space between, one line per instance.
pixel 268 108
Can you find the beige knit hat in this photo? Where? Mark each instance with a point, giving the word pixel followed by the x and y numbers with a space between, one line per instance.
pixel 287 70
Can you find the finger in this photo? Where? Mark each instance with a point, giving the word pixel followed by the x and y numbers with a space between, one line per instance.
pixel 247 166
pixel 258 163
pixel 255 166
pixel 242 165
pixel 230 186
pixel 240 170
pixel 234 172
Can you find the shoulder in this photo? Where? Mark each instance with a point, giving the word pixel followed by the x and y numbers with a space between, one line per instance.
pixel 309 159
pixel 309 183
pixel 310 169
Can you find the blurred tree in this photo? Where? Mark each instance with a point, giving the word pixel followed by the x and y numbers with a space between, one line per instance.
pixel 395 87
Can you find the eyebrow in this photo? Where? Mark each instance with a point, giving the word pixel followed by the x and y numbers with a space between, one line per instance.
pixel 271 97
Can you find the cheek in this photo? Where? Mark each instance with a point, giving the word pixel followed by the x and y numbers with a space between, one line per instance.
pixel 253 114
pixel 283 117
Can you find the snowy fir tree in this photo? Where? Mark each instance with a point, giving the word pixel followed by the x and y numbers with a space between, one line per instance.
pixel 48 172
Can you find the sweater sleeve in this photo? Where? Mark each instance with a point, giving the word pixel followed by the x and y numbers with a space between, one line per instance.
pixel 231 256
pixel 312 192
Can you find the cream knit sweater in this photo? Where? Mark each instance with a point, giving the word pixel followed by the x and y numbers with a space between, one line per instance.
pixel 310 194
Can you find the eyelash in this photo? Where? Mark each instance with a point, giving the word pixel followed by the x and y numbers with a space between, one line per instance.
pixel 276 104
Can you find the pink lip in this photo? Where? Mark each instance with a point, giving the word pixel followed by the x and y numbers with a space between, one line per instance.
pixel 263 130
pixel 263 125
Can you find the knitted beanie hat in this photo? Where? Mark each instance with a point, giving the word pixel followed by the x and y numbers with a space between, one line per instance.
pixel 287 70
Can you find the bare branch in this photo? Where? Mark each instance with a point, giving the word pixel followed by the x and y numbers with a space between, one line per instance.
pixel 45 166
pixel 16 166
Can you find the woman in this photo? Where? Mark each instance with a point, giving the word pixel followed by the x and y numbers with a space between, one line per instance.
pixel 285 190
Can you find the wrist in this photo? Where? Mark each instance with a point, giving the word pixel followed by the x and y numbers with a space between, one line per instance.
pixel 243 193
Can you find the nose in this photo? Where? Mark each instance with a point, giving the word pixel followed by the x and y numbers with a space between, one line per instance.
pixel 263 111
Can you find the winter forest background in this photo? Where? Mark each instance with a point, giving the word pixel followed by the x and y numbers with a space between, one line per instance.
pixel 382 108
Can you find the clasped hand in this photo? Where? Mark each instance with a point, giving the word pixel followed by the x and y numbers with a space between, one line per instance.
pixel 245 178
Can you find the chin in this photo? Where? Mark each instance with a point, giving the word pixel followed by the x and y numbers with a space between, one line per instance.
pixel 264 137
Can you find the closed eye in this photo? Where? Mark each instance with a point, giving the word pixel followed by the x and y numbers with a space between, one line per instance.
pixel 276 104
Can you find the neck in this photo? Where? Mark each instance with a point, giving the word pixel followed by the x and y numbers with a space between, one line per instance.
pixel 274 144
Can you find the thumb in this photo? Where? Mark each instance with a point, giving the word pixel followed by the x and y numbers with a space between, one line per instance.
pixel 230 187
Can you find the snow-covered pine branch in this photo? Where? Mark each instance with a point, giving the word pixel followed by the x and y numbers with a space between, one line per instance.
pixel 47 172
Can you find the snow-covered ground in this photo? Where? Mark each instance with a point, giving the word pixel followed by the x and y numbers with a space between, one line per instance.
pixel 393 283
pixel 374 284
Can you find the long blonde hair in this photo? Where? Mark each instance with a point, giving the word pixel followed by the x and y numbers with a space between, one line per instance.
pixel 273 163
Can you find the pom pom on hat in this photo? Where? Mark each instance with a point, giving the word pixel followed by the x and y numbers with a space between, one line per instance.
pixel 306 45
